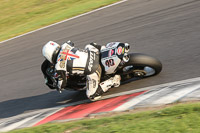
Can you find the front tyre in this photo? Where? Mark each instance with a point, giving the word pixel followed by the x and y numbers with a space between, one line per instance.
pixel 142 65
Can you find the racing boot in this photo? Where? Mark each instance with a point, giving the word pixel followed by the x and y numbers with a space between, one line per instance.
pixel 95 92
pixel 97 95
pixel 114 81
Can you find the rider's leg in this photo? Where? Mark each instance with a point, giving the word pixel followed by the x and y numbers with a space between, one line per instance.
pixel 114 81
pixel 95 90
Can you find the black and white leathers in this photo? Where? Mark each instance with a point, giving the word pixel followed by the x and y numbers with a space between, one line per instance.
pixel 71 61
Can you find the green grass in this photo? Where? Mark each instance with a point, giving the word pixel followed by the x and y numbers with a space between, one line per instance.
pixel 21 16
pixel 181 118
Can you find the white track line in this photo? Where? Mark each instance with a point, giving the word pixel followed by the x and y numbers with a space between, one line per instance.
pixel 151 87
pixel 17 124
pixel 170 98
pixel 98 9
pixel 136 100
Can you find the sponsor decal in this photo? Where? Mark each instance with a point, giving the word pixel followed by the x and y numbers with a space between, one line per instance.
pixel 91 61
pixel 52 43
pixel 111 52
pixel 66 54
pixel 119 50
pixel 94 83
pixel 123 51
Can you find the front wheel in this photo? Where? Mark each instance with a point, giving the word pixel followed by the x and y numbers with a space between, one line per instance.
pixel 141 65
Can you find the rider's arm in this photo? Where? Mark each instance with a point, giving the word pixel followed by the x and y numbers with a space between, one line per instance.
pixel 62 82
pixel 60 68
pixel 93 47
pixel 96 46
pixel 46 64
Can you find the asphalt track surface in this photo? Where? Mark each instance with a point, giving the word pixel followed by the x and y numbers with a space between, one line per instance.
pixel 168 30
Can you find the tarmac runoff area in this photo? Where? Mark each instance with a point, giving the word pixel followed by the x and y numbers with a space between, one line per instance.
pixel 186 90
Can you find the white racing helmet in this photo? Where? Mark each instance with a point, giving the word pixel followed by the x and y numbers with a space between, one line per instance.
pixel 50 51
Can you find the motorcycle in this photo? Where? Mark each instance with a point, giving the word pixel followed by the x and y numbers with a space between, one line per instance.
pixel 114 60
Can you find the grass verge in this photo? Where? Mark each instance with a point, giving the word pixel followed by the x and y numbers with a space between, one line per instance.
pixel 21 16
pixel 181 118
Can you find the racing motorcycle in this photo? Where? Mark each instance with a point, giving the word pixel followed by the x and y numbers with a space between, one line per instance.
pixel 114 60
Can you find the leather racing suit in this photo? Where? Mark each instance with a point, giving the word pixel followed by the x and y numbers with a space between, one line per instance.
pixel 72 60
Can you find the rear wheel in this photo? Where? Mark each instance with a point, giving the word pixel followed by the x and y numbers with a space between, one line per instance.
pixel 141 65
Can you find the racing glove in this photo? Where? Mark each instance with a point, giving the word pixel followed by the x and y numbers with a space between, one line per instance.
pixel 62 82
pixel 48 81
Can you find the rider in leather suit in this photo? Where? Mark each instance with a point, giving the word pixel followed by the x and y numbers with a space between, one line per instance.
pixel 69 60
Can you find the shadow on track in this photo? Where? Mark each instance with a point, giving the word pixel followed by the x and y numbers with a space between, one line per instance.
pixel 51 99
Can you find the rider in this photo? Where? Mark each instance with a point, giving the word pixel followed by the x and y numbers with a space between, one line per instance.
pixel 69 60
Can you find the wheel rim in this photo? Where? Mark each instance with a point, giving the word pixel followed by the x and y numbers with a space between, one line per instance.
pixel 149 71
pixel 141 72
